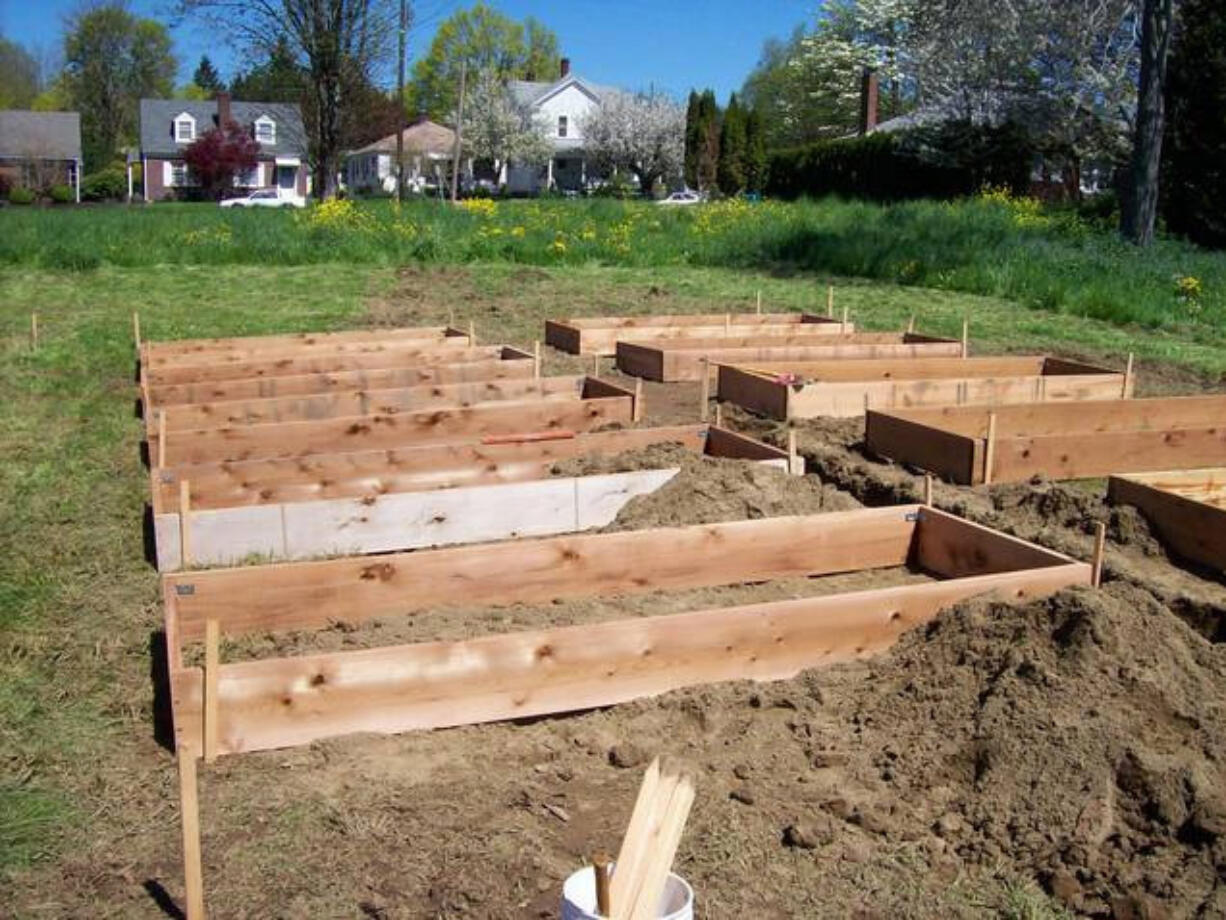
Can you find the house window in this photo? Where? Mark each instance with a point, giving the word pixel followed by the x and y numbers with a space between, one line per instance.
pixel 178 174
pixel 248 179
pixel 185 129
pixel 561 126
pixel 265 130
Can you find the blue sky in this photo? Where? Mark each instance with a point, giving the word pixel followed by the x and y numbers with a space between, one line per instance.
pixel 671 44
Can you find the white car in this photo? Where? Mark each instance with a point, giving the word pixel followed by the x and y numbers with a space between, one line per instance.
pixel 686 197
pixel 266 198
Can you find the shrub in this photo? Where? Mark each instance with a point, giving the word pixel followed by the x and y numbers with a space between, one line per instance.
pixel 19 194
pixel 62 194
pixel 110 184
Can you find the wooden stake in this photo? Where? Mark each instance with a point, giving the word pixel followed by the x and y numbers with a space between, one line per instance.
pixel 664 851
pixel 727 324
pixel 161 438
pixel 704 409
pixel 136 330
pixel 928 489
pixel 600 866
pixel 451 317
pixel 34 332
pixel 830 300
pixel 595 365
pixel 966 337
pixel 212 664
pixel 989 450
pixel 843 327
pixel 719 414
pixel 185 510
pixel 637 833
pixel 1100 544
pixel 759 311
pixel 1127 377
pixel 536 360
pixel 796 466
pixel 189 815
pixel 472 333
pixel 911 324
pixel 636 411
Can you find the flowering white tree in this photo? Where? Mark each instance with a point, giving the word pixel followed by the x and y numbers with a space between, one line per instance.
pixel 642 133
pixel 497 128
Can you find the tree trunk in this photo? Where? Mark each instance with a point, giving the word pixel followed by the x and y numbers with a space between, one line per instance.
pixel 1141 207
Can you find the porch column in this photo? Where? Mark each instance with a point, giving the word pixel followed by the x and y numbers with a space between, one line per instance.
pixel 549 174
pixel 129 181
pixel 76 175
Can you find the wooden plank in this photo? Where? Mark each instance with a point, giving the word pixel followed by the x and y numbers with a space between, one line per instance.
pixel 510 364
pixel 670 361
pixel 283 702
pixel 1194 529
pixel 360 402
pixel 202 351
pixel 363 474
pixel 1077 456
pixel 298 595
pixel 952 547
pixel 189 815
pixel 754 392
pixel 371 432
pixel 895 436
pixel 600 335
pixel 389 355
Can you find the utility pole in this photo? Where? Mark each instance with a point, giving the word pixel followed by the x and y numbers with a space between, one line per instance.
pixel 459 131
pixel 404 28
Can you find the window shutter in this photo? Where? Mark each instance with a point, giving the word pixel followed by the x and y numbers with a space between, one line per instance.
pixel 168 174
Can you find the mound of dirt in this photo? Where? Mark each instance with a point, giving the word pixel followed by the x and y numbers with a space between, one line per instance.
pixel 707 491
pixel 1080 738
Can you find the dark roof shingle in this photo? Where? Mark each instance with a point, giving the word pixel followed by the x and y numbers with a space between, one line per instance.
pixel 157 124
pixel 46 135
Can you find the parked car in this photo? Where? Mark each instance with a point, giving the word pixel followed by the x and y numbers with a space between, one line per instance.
pixel 266 198
pixel 682 198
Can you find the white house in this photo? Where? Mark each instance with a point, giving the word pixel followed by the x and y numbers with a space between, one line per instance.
pixel 560 107
pixel 428 149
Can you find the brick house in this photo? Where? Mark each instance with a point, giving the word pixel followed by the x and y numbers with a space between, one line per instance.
pixel 41 149
pixel 169 126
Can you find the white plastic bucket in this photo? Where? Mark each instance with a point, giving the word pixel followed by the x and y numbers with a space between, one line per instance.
pixel 579 897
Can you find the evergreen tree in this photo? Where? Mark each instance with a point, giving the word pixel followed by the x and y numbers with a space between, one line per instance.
pixel 1194 150
pixel 693 140
pixel 731 171
pixel 207 78
pixel 708 121
pixel 755 152
pixel 277 79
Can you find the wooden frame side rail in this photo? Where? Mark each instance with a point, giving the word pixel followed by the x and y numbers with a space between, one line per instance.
pixel 669 361
pixel 599 335
pixel 1186 507
pixel 1057 440
pixel 518 498
pixel 507 364
pixel 847 388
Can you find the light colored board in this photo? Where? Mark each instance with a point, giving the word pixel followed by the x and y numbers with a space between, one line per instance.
pixel 229 344
pixel 600 335
pixel 189 819
pixel 371 432
pixel 950 547
pixel 284 702
pixel 227 536
pixel 670 361
pixel 1100 454
pixel 510 364
pixel 361 402
pixel 1188 524
pixel 390 355
pixel 299 595
pixel 364 474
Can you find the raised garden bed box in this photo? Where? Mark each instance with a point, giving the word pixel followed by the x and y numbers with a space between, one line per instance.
pixel 796 390
pixel 591 404
pixel 1186 507
pixel 380 501
pixel 599 335
pixel 684 359
pixel 1057 440
pixel 464 365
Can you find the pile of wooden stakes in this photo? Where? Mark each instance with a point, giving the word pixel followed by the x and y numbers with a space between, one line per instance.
pixel 637 886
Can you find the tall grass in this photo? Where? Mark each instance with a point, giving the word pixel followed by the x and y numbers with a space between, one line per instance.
pixel 990 245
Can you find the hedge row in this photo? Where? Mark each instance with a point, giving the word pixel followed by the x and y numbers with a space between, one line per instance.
pixel 947 161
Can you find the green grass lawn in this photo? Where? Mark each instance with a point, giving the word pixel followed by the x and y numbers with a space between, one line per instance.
pixel 81 778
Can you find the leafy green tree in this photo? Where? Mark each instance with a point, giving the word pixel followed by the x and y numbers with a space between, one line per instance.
pixel 19 76
pixel 1194 148
pixel 755 152
pixel 489 42
pixel 278 78
pixel 207 78
pixel 112 59
pixel 732 149
pixel 692 140
pixel 708 140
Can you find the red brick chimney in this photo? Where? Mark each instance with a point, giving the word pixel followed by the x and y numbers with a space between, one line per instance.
pixel 565 68
pixel 223 110
pixel 868 101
